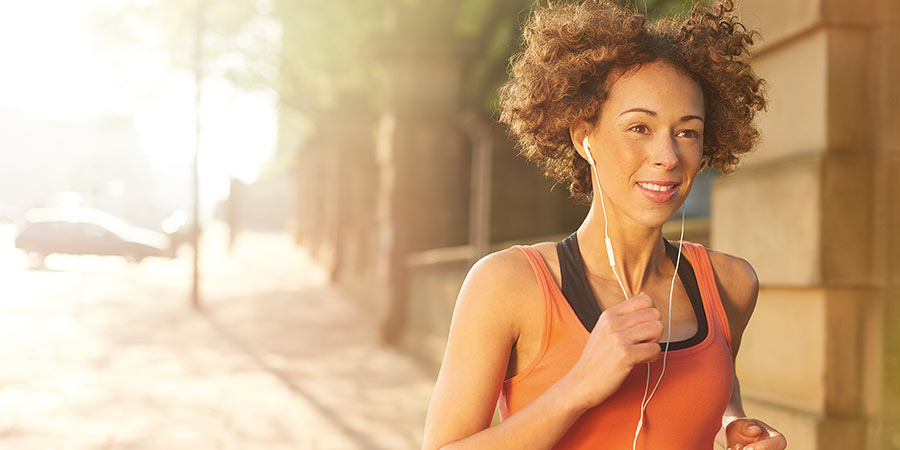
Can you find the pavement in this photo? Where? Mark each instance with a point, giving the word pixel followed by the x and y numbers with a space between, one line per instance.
pixel 98 353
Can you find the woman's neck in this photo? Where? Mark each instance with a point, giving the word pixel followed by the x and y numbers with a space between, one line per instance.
pixel 639 251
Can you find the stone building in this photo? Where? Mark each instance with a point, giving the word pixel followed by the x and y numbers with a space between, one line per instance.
pixel 816 210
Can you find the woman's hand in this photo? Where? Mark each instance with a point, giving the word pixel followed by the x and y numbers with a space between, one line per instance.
pixel 752 434
pixel 625 335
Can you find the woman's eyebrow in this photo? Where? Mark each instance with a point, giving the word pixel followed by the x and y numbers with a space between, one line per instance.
pixel 653 113
pixel 691 117
pixel 643 110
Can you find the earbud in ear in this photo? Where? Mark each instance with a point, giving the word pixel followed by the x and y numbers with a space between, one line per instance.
pixel 587 150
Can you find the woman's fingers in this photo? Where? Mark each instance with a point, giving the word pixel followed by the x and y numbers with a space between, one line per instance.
pixel 769 438
pixel 637 317
pixel 629 314
pixel 649 331
pixel 773 440
pixel 748 428
pixel 777 442
pixel 741 432
pixel 646 352
pixel 638 302
pixel 752 434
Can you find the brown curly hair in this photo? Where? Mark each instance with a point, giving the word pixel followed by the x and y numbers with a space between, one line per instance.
pixel 563 75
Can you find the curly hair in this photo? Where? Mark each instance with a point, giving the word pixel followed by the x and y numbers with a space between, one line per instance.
pixel 563 74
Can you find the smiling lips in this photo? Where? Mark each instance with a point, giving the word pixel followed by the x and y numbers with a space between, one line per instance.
pixel 658 191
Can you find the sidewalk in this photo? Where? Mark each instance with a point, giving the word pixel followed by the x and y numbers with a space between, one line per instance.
pixel 105 355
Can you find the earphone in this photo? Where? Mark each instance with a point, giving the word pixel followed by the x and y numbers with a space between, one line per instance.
pixel 612 264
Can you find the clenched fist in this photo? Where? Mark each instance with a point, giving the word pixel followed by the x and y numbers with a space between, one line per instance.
pixel 625 335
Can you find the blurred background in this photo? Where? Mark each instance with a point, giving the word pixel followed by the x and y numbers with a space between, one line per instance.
pixel 244 223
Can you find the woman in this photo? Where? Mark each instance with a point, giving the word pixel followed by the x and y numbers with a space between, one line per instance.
pixel 632 111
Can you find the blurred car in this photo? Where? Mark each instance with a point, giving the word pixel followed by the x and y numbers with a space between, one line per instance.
pixel 177 227
pixel 85 231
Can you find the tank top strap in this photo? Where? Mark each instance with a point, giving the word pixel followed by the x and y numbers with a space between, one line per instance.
pixel 555 320
pixel 541 272
pixel 706 279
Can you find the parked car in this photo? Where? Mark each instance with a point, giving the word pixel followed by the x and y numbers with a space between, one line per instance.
pixel 85 231
pixel 178 228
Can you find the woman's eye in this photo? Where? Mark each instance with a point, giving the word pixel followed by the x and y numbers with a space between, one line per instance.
pixel 639 128
pixel 688 133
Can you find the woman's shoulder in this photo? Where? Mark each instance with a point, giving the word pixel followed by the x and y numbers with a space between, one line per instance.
pixel 504 270
pixel 499 275
pixel 738 287
pixel 742 280
pixel 502 288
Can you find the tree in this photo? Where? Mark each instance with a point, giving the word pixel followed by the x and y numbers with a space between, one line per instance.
pixel 312 52
pixel 240 38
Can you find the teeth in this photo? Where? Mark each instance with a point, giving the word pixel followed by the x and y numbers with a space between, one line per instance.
pixel 656 187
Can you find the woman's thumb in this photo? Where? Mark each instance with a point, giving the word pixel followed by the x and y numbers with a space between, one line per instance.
pixel 750 429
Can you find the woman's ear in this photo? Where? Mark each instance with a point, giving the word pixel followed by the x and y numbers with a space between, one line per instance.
pixel 577 132
pixel 704 163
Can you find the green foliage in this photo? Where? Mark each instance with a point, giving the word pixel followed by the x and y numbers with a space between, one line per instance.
pixel 322 49
pixel 314 52
pixel 472 16
pixel 238 38
pixel 171 26
pixel 324 42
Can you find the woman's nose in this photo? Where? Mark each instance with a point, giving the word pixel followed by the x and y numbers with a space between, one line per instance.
pixel 665 154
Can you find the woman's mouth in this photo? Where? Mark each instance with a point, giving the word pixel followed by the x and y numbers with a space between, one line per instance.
pixel 660 191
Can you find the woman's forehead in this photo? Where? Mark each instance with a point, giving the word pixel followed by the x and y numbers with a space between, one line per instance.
pixel 657 86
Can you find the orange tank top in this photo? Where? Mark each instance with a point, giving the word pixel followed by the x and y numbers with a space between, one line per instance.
pixel 686 410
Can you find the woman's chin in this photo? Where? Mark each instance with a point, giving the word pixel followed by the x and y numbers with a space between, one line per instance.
pixel 658 220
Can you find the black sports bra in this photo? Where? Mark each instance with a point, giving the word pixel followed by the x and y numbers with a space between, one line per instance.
pixel 578 293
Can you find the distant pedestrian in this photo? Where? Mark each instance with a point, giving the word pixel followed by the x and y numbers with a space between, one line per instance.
pixel 613 338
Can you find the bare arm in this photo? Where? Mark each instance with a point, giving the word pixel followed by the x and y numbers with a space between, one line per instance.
pixel 482 333
pixel 734 411
pixel 537 426
pixel 484 328
pixel 739 297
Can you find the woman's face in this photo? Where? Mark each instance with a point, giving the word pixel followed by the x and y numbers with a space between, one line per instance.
pixel 648 142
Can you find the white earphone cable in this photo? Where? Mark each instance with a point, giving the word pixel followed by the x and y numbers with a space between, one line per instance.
pixel 612 263
pixel 646 402
pixel 609 252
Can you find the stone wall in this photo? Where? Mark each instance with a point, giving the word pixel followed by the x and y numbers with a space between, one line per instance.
pixel 336 180
pixel 812 210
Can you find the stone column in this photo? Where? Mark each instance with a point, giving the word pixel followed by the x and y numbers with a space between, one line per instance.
pixel 886 101
pixel 816 213
pixel 336 174
pixel 355 184
pixel 423 189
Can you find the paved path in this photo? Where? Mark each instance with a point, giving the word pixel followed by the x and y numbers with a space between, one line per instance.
pixel 100 354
